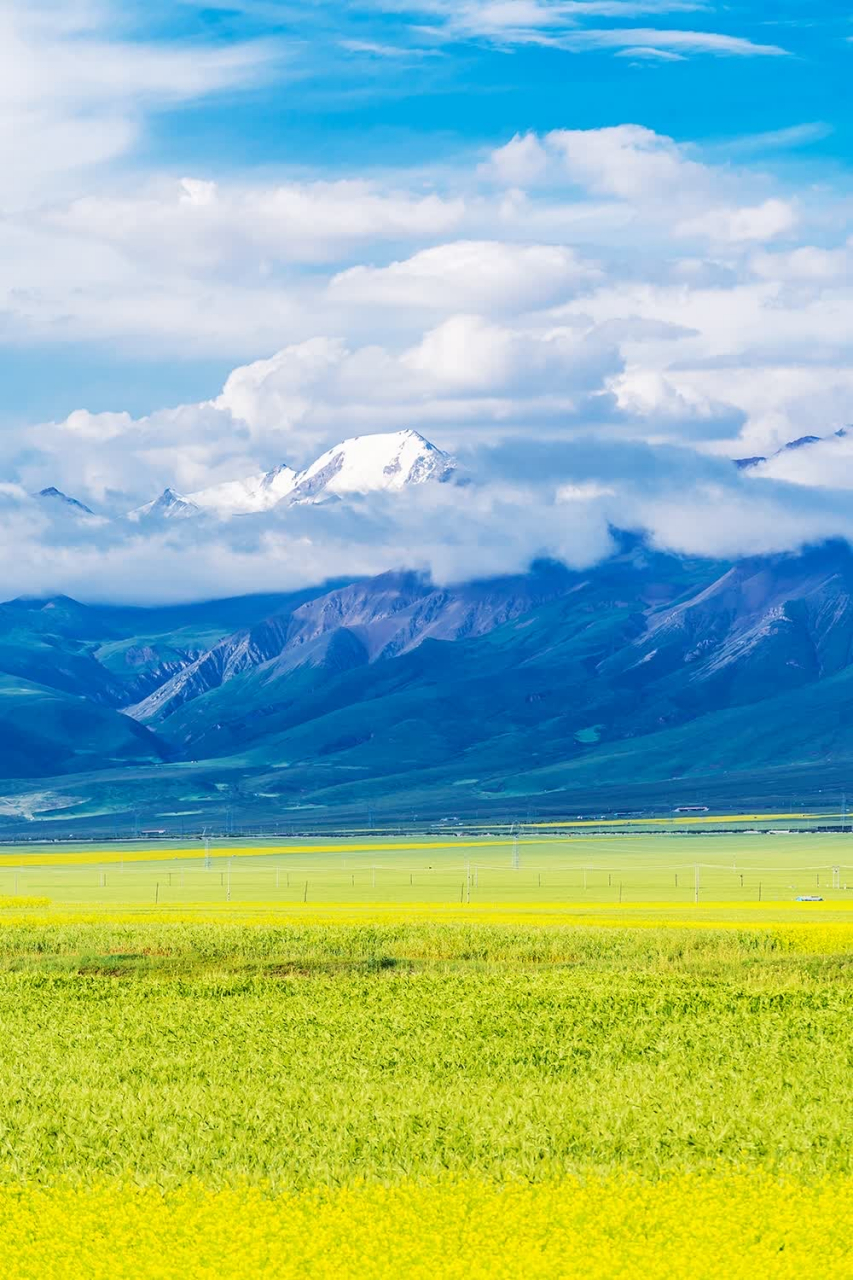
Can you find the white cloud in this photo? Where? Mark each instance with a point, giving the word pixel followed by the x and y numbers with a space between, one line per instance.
pixel 487 335
pixel 649 54
pixel 730 522
pixel 806 265
pixel 612 283
pixel 497 530
pixel 71 96
pixel 562 24
pixel 760 222
pixel 465 375
pixel 280 393
pixel 648 394
pixel 519 162
pixel 468 354
pixel 204 225
pixel 824 465
pixel 627 161
pixel 470 274
pixel 231 268
pixel 701 507
pixel 587 315
pixel 707 42
pixel 587 491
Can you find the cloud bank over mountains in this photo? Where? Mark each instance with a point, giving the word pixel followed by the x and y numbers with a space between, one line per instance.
pixel 594 321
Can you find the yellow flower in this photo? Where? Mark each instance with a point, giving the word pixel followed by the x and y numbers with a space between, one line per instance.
pixel 723 1226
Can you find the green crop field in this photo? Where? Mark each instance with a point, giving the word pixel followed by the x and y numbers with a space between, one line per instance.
pixel 588 869
pixel 462 1057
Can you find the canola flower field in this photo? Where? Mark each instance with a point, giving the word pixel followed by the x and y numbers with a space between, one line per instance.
pixel 388 1082
pixel 733 1227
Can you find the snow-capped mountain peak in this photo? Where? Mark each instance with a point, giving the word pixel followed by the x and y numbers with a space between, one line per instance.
pixel 390 461
pixel 367 464
pixel 243 497
pixel 169 506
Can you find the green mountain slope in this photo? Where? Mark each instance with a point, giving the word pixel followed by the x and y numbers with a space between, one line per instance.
pixel 45 732
pixel 646 672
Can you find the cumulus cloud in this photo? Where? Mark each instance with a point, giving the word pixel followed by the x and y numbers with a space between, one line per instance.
pixel 233 268
pixel 468 354
pixel 759 222
pixel 465 375
pixel 648 395
pixel 470 275
pixel 806 265
pixel 649 173
pixel 627 161
pixel 205 225
pixel 597 321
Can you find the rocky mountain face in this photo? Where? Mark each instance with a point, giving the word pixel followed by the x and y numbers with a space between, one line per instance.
pixel 52 494
pixel 762 627
pixel 646 665
pixel 380 619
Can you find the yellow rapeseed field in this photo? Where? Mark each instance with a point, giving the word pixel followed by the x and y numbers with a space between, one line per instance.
pixel 207 1090
pixel 819 936
pixel 194 853
pixel 706 1227
pixel 686 820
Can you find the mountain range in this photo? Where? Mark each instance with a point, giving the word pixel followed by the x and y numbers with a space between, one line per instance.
pixel 803 442
pixel 646 678
pixel 388 462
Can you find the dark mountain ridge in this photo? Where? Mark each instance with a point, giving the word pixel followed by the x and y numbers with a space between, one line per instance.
pixel 648 665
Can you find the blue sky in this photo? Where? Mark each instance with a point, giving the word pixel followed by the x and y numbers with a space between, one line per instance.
pixel 371 78
pixel 334 88
pixel 616 234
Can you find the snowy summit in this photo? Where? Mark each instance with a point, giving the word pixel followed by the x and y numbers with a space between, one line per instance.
pixel 242 497
pixel 169 506
pixel 390 461
pixel 367 464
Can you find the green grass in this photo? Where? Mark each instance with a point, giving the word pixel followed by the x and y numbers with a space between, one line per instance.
pixel 140 1040
pixel 309 1055
pixel 603 870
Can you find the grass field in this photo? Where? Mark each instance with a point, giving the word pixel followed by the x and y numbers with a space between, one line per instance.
pixel 596 870
pixel 438 1061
